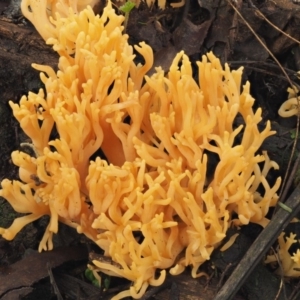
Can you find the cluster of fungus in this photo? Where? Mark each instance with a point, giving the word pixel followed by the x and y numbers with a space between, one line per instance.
pixel 157 201
pixel 289 263
pixel 42 13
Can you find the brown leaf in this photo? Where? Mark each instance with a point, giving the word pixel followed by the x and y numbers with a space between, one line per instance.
pixel 32 268
pixel 190 37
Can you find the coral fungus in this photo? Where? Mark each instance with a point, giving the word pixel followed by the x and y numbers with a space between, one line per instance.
pixel 152 198
pixel 290 264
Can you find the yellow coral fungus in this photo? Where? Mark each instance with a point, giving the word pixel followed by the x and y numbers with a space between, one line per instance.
pixel 42 12
pixel 290 264
pixel 289 107
pixel 152 198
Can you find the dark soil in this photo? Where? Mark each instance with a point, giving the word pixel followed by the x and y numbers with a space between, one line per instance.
pixel 196 28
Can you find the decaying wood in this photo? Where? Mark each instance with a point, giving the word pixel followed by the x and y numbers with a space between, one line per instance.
pixel 261 245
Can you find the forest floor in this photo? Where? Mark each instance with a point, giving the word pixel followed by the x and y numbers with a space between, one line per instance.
pixel 197 27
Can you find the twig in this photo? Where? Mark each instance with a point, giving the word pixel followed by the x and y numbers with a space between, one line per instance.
pixel 282 286
pixel 260 14
pixel 260 246
pixel 284 186
pixel 296 292
pixel 53 283
pixel 224 273
pixel 291 175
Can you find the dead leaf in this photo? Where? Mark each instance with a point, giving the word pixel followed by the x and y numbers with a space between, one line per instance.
pixel 190 37
pixel 20 276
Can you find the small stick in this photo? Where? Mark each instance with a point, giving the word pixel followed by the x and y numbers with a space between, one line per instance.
pixel 260 246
